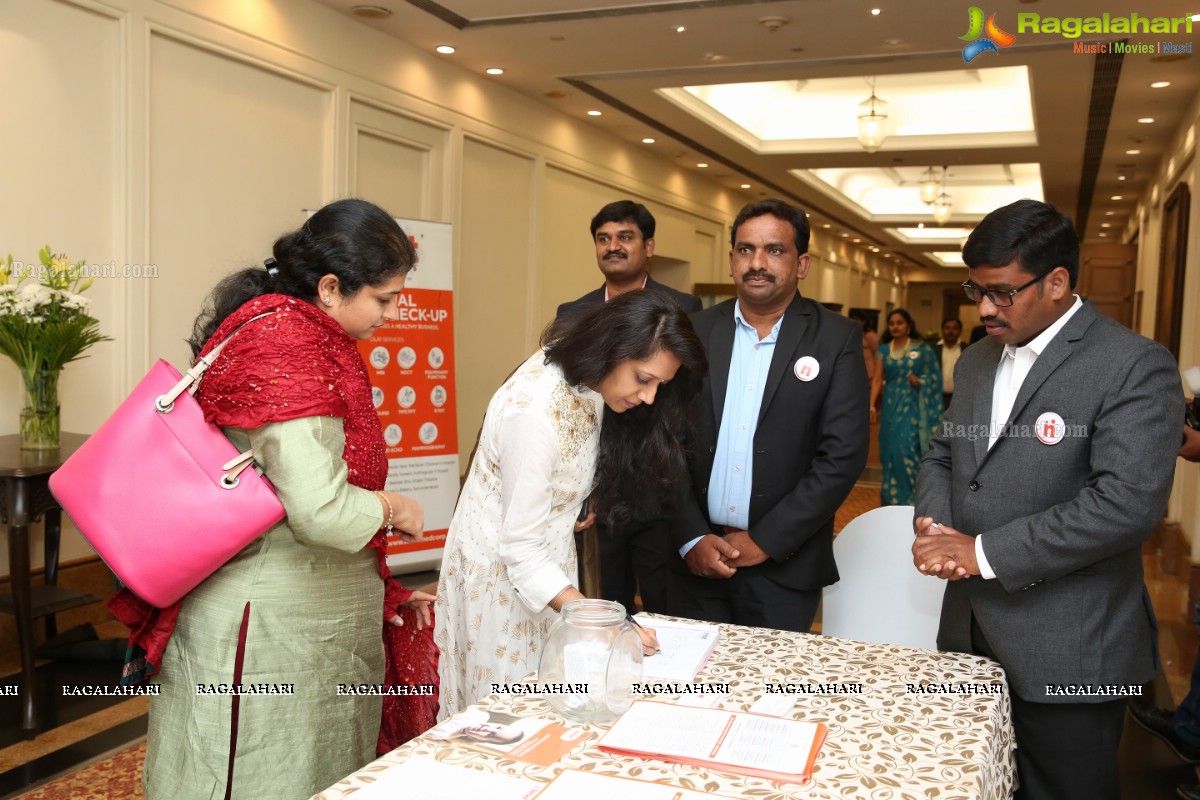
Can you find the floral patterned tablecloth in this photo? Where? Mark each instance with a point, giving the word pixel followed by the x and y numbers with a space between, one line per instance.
pixel 926 724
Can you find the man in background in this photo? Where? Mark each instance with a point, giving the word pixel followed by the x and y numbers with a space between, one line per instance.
pixel 1052 467
pixel 948 350
pixel 632 557
pixel 781 436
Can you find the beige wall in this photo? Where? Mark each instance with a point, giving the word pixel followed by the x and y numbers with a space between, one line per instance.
pixel 1178 166
pixel 179 138
pixel 187 135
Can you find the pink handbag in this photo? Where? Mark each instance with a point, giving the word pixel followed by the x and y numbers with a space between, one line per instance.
pixel 162 495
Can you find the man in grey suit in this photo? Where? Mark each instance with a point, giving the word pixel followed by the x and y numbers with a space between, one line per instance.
pixel 1053 465
pixel 632 558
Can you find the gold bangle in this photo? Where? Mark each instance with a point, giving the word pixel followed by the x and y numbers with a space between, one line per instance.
pixel 387 523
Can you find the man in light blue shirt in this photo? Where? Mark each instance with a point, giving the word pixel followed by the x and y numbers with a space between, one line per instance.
pixel 781 436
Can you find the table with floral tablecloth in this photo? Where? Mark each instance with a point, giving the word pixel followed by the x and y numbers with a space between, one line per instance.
pixel 925 724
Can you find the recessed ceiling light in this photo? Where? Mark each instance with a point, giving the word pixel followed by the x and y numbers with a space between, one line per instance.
pixel 371 12
pixel 1145 120
pixel 856 241
pixel 1133 152
pixel 701 165
pixel 494 71
pixel 647 140
pixel 874 249
pixel 745 186
pixel 1116 197
pixel 1160 84
pixel 1110 213
pixel 1104 234
pixel 845 236
pixel 1120 177
pixel 920 226
pixel 594 113
pixel 680 28
pixel 874 12
pixel 1105 224
pixel 826 225
pixel 445 49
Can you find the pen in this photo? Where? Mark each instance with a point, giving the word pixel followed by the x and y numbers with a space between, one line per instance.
pixel 629 618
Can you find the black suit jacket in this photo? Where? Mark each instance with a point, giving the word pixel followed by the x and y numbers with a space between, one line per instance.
pixel 810 445
pixel 689 302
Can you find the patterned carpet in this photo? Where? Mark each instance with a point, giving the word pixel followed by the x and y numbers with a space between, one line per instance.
pixel 863 498
pixel 118 777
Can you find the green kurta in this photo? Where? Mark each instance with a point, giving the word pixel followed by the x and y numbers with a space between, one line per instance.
pixel 315 615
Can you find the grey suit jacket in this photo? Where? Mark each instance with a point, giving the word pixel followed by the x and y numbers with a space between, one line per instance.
pixel 1062 523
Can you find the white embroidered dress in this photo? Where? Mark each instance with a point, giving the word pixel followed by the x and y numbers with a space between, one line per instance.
pixel 511 545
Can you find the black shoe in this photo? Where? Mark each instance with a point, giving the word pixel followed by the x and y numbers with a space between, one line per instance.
pixel 1161 723
pixel 1189 791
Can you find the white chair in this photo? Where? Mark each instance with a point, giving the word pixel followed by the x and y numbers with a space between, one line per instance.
pixel 881 597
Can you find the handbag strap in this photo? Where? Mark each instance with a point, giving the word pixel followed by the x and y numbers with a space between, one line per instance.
pixel 189 383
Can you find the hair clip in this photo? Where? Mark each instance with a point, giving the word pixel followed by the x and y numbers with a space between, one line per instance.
pixel 272 267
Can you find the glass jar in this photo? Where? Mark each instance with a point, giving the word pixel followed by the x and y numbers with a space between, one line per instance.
pixel 590 661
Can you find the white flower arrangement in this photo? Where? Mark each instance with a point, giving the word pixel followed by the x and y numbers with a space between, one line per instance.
pixel 44 322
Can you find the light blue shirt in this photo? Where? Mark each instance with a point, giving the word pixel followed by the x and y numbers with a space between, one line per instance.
pixel 729 485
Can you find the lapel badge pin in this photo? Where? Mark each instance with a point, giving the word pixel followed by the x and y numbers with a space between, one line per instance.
pixel 806 368
pixel 1050 428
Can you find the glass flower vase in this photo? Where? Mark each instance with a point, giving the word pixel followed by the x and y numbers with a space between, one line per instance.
pixel 39 417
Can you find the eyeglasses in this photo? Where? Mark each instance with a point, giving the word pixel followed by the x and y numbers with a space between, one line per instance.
pixel 1000 299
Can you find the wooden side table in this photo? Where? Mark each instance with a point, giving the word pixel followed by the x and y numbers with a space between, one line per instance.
pixel 25 497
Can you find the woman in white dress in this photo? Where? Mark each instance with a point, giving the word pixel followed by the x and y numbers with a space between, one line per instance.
pixel 599 410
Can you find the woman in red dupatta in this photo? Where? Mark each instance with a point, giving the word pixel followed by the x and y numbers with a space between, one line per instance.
pixel 293 609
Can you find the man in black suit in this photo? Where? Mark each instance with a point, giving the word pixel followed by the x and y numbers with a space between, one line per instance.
pixel 623 232
pixel 633 556
pixel 781 436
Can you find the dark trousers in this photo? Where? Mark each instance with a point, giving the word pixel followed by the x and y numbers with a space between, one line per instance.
pixel 1187 715
pixel 748 598
pixel 1065 751
pixel 632 560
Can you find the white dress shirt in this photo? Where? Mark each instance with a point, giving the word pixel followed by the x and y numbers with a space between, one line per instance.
pixel 950 356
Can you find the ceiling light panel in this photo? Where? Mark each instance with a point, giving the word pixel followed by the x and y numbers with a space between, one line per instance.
pixel 891 194
pixel 993 107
